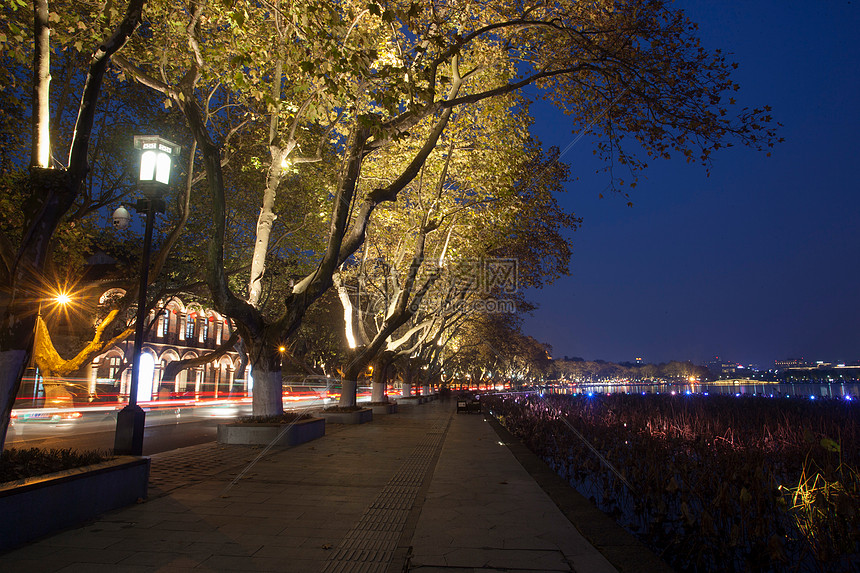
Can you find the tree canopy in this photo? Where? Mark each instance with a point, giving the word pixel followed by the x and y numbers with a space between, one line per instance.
pixel 309 117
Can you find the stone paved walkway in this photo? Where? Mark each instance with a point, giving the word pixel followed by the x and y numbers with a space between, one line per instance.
pixel 422 490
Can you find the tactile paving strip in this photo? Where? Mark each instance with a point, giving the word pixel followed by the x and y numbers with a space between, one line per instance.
pixel 370 546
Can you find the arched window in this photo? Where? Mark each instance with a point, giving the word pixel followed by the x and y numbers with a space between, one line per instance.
pixel 189 327
pixel 163 323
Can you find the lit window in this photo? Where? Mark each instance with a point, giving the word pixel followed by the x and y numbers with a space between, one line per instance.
pixel 189 327
pixel 163 321
pixel 113 367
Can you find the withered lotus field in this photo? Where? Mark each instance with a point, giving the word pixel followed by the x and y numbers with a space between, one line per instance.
pixel 711 483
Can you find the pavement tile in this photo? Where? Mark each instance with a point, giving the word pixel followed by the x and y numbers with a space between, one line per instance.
pixel 530 542
pixel 100 567
pixel 107 526
pixel 277 541
pixel 45 564
pixel 300 565
pixel 157 545
pixel 32 552
pixel 80 539
pixel 316 552
pixel 223 548
pixel 232 509
pixel 320 541
pixel 149 535
pixel 528 559
pixel 93 556
pixel 243 563
pixel 160 559
pixel 185 525
pixel 231 530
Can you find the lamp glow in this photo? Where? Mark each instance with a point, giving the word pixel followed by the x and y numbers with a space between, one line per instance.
pixel 147 165
pixel 162 171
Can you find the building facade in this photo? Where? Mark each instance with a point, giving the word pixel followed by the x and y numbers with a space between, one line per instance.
pixel 178 331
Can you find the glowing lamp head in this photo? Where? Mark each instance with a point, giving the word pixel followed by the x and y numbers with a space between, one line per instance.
pixel 155 159
pixel 63 298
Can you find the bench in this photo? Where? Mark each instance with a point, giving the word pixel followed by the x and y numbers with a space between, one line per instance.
pixel 468 406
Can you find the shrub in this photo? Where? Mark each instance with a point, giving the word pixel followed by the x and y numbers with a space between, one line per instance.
pixel 16 464
pixel 285 418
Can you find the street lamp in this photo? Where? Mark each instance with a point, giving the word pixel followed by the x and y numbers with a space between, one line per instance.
pixel 61 298
pixel 155 160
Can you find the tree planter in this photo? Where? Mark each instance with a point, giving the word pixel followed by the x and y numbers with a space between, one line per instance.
pixel 358 417
pixel 264 434
pixel 34 507
pixel 409 401
pixel 381 409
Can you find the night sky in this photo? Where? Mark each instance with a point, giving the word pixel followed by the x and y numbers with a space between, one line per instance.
pixel 761 260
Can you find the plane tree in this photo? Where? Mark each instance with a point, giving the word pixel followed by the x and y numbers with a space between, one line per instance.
pixel 492 347
pixel 356 79
pixel 85 229
pixel 56 77
pixel 411 243
pixel 51 187
pixel 496 227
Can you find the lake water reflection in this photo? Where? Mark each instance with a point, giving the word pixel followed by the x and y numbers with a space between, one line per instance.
pixel 812 390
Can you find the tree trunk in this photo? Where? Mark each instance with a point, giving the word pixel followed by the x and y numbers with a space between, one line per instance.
pixel 267 393
pixel 348 394
pixel 379 383
pixel 41 151
pixel 350 379
pixel 273 180
pixel 408 377
pixel 377 392
pixel 12 365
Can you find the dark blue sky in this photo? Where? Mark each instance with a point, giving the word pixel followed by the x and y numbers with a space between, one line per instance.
pixel 757 262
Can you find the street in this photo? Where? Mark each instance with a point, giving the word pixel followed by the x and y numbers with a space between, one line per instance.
pixel 168 426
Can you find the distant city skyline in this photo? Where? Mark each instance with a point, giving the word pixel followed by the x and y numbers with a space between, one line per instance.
pixel 758 261
pixel 727 360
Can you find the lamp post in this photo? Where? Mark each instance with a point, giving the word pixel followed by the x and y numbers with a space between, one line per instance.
pixel 155 161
